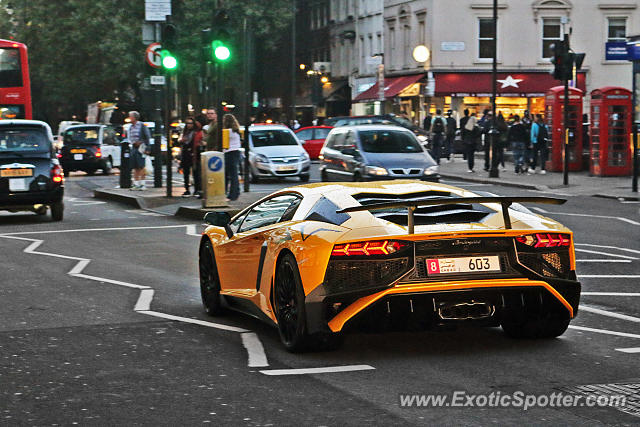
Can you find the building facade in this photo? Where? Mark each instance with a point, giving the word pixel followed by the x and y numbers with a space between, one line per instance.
pixel 459 36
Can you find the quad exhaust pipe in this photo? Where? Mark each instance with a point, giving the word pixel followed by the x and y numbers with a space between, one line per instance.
pixel 472 310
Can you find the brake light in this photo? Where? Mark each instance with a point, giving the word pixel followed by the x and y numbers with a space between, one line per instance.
pixel 59 155
pixel 56 174
pixel 98 152
pixel 377 247
pixel 545 240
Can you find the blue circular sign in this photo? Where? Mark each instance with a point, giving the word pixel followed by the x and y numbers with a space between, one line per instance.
pixel 215 164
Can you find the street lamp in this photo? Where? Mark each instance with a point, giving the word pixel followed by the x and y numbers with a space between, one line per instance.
pixel 421 53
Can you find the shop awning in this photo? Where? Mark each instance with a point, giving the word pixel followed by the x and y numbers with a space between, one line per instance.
pixel 392 87
pixel 526 84
pixel 336 91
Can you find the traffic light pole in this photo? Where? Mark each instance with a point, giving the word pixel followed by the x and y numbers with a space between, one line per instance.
pixel 167 128
pixel 565 145
pixel 493 131
pixel 247 102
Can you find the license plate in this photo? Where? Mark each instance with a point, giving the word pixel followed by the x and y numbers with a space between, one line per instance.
pixel 287 168
pixel 475 264
pixel 78 150
pixel 5 173
pixel 18 184
pixel 77 157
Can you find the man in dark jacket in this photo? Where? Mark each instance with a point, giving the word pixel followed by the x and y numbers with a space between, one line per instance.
pixel 450 135
pixel 518 137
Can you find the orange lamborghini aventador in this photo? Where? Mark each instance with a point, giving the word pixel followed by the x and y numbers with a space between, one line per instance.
pixel 319 259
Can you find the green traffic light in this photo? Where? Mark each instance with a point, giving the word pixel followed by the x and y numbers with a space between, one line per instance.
pixel 220 51
pixel 169 61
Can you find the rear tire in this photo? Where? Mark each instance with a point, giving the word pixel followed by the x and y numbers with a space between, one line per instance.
pixel 91 172
pixel 57 211
pixel 108 166
pixel 547 327
pixel 357 177
pixel 304 178
pixel 209 281
pixel 323 176
pixel 254 178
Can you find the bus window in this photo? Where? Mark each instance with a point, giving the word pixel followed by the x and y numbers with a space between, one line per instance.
pixel 10 70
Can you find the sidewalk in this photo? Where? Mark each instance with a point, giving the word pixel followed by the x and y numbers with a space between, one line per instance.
pixel 156 200
pixel 580 183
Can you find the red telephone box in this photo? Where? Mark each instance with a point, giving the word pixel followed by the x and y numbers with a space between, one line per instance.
pixel 611 149
pixel 554 116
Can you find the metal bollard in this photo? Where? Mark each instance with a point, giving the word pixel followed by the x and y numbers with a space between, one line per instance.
pixel 125 165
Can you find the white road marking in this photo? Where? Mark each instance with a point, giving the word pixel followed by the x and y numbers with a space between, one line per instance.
pixel 144 300
pixel 619 218
pixel 79 202
pixel 609 276
pixel 609 313
pixel 152 214
pixel 193 321
pixel 588 251
pixel 611 294
pixel 328 369
pixel 604 331
pixel 77 230
pixel 633 251
pixel 539 209
pixel 257 356
pixel 603 260
pixel 629 350
pixel 629 201
pixel 191 231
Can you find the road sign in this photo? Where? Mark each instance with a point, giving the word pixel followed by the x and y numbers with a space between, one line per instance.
pixel 152 55
pixel 157 10
pixel 157 80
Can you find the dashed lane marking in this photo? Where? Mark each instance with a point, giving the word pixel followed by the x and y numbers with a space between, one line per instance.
pixel 609 276
pixel 325 370
pixel 589 251
pixel 604 331
pixel 78 230
pixel 611 294
pixel 619 218
pixel 629 350
pixel 604 260
pixel 255 350
pixel 608 313
pixel 589 245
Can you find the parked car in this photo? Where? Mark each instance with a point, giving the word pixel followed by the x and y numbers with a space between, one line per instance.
pixel 387 119
pixel 89 148
pixel 312 138
pixel 31 178
pixel 373 152
pixel 275 151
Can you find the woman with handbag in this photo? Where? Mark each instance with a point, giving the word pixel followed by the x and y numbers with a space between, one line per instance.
pixel 190 142
pixel 470 133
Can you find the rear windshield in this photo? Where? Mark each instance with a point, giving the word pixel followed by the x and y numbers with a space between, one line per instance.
pixel 268 138
pixel 321 133
pixel 29 140
pixel 81 135
pixel 389 141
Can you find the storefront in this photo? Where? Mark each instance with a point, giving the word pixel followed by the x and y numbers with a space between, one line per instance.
pixel 516 91
pixel 402 95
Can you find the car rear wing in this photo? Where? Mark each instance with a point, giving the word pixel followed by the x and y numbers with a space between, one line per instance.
pixel 505 203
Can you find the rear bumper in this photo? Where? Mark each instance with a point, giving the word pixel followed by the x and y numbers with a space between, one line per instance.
pixel 26 200
pixel 430 178
pixel 84 165
pixel 405 306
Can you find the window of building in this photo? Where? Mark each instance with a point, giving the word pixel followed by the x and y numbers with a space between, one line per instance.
pixel 551 34
pixel 421 28
pixel 617 30
pixel 486 35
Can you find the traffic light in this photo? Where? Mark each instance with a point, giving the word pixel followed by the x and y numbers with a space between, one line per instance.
pixel 169 41
pixel 562 61
pixel 221 35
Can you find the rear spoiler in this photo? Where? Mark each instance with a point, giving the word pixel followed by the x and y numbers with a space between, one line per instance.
pixel 411 206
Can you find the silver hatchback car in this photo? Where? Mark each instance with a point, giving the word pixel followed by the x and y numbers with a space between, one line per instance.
pixel 275 151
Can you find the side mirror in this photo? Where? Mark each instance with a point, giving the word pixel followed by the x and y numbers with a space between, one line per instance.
pixel 219 219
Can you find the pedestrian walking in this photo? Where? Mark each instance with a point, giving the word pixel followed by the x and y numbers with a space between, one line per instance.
pixel 232 157
pixel 470 134
pixel 501 139
pixel 438 131
pixel 518 137
pixel 450 135
pixel 485 123
pixel 190 139
pixel 539 150
pixel 426 123
pixel 139 137
pixel 198 147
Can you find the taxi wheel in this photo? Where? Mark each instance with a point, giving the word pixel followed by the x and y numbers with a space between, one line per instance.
pixel 108 165
pixel 90 172
pixel 209 281
pixel 57 211
pixel 289 306
pixel 544 327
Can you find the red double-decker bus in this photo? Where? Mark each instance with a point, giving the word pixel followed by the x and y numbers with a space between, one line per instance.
pixel 15 87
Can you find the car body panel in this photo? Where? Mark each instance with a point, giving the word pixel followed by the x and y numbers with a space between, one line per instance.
pixel 247 261
pixel 312 139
